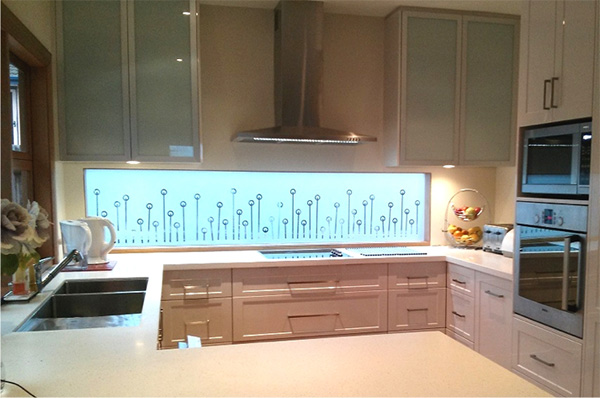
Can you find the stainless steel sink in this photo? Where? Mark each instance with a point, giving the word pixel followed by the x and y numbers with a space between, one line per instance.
pixel 85 304
pixel 102 285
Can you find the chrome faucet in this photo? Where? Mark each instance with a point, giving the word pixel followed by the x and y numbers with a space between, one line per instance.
pixel 41 282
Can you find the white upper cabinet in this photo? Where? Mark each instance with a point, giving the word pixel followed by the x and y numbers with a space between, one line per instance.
pixel 489 91
pixel 92 85
pixel 557 59
pixel 450 89
pixel 128 80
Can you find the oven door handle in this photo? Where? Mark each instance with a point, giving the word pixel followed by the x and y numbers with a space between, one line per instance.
pixel 566 278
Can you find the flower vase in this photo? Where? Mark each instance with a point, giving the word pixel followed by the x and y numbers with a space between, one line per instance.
pixel 20 281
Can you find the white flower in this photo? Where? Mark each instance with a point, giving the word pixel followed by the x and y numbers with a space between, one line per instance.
pixel 15 227
pixel 39 224
pixel 23 230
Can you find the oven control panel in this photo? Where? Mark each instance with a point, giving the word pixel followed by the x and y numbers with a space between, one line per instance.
pixel 552 215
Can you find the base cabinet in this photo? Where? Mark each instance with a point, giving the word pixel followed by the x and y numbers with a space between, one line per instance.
pixel 195 303
pixel 420 309
pixel 549 358
pixel 460 315
pixel 493 318
pixel 479 312
pixel 285 316
pixel 209 319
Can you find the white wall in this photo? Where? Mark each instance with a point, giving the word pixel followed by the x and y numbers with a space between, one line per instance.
pixel 237 93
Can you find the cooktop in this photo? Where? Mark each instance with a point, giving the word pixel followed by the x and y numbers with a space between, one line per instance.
pixel 386 251
pixel 302 253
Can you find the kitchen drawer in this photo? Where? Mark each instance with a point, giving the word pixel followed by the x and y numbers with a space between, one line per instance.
pixel 193 284
pixel 549 358
pixel 416 309
pixel 460 314
pixel 460 339
pixel 461 279
pixel 417 275
pixel 284 316
pixel 314 281
pixel 208 319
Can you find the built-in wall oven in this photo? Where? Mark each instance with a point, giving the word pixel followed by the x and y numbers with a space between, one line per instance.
pixel 550 264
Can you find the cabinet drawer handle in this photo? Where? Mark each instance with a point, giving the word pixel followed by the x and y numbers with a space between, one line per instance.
pixel 459 315
pixel 160 327
pixel 417 277
pixel 312 315
pixel 196 323
pixel 494 294
pixel 459 281
pixel 535 357
pixel 190 287
pixel 546 82
pixel 333 281
pixel 417 309
pixel 554 79
pixel 332 285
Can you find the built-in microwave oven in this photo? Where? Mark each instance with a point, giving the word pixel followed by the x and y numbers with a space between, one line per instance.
pixel 556 160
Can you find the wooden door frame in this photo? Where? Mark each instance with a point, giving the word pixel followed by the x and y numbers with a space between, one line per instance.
pixel 18 40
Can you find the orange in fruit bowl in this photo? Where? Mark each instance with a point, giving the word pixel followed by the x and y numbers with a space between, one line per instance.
pixel 467 213
pixel 464 236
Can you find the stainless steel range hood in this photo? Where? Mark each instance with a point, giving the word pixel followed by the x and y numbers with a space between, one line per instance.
pixel 298 80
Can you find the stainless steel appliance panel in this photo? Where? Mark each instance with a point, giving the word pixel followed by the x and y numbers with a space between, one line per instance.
pixel 550 264
pixel 556 159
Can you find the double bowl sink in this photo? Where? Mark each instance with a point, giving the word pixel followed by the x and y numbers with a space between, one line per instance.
pixel 81 304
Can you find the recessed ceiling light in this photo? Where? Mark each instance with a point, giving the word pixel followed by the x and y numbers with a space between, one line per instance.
pixel 448 166
pixel 186 13
pixel 132 162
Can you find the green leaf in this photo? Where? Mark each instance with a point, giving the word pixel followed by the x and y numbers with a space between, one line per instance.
pixel 10 263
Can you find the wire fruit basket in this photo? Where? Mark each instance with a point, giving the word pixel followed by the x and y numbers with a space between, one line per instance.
pixel 466 210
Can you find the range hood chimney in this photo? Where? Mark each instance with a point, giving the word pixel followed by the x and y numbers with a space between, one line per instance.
pixel 298 80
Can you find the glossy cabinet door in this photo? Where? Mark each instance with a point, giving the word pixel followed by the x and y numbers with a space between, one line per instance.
pixel 164 80
pixel 209 319
pixel 493 318
pixel 93 80
pixel 416 309
pixel 548 357
pixel 285 316
pixel 430 93
pixel 489 91
pixel 557 58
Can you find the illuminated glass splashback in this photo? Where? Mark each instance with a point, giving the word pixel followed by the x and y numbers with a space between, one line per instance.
pixel 216 208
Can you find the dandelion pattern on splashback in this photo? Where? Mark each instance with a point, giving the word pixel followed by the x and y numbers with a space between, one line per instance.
pixel 216 208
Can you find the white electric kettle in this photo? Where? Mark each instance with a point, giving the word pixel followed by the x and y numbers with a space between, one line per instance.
pixel 100 246
pixel 76 235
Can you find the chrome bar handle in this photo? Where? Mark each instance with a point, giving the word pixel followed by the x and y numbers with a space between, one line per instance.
pixel 459 315
pixel 554 79
pixel 160 328
pixel 459 281
pixel 546 93
pixel 535 357
pixel 312 315
pixel 416 309
pixel 196 323
pixel 580 276
pixel 494 294
pixel 307 282
pixel 565 275
pixel 333 284
pixel 189 287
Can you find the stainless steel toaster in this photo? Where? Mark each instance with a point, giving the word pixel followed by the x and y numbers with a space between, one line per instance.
pixel 493 235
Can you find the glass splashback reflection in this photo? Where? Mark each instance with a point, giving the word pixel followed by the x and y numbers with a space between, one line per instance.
pixel 216 208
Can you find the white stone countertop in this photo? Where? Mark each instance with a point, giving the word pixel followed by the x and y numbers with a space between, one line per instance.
pixel 123 361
